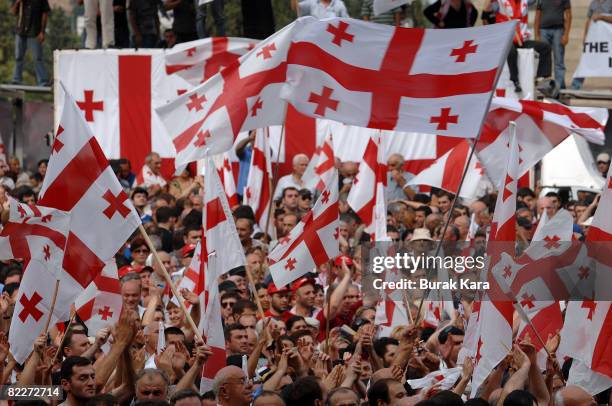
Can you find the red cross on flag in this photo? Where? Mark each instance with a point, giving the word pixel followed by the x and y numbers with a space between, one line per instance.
pixel 446 379
pixel 446 172
pixel 117 91
pixel 26 222
pixel 79 180
pixel 492 334
pixel 100 304
pixel 242 97
pixel 587 332
pixel 37 234
pixel 312 242
pixel 197 61
pixel 320 165
pixel 540 126
pixel 396 78
pixel 367 195
pixel 390 314
pixel 258 191
pixel 224 168
pixel 221 251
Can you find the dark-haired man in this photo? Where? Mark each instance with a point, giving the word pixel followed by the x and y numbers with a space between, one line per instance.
pixel 78 381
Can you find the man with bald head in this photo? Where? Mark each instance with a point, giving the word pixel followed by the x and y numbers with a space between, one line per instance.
pixel 294 179
pixel 397 180
pixel 232 387
pixel 573 395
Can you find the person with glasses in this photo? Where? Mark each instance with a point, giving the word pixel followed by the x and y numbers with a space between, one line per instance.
pixel 228 300
pixel 139 251
pixel 232 387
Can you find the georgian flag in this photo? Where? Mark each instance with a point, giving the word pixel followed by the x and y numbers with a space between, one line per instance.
pixel 258 192
pixel 312 242
pixel 378 76
pixel 196 61
pixel 242 97
pixel 79 180
pixel 540 126
pixel 220 251
pixel 446 172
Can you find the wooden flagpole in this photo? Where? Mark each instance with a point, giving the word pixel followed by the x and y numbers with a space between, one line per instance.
pixel 55 292
pixel 166 275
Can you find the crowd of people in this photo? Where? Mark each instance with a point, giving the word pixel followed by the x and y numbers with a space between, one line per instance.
pixel 136 23
pixel 317 341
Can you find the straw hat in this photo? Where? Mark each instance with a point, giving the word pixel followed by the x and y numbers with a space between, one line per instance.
pixel 421 234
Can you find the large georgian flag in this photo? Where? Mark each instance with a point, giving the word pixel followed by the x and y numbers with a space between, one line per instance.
pixel 117 91
pixel 79 180
pixel 377 76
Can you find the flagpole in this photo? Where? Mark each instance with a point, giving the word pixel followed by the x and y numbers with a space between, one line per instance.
pixel 252 282
pixel 52 308
pixel 448 220
pixel 166 275
pixel 272 183
pixel 59 349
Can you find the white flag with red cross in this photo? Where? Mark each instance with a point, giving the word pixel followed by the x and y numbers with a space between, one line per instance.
pixel 38 235
pixel 197 61
pixel 446 172
pixel 242 97
pixel 367 194
pixel 224 168
pixel 28 221
pixel 79 180
pixel 492 335
pixel 100 304
pixel 312 242
pixel 118 90
pixel 221 251
pixel 587 331
pixel 376 76
pixel 445 379
pixel 321 163
pixel 540 126
pixel 258 192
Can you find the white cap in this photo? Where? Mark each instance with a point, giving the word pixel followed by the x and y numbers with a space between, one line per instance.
pixel 603 157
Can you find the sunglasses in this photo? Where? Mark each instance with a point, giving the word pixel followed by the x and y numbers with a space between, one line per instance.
pixel 141 251
pixel 227 304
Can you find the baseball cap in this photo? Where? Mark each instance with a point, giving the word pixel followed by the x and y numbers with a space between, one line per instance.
pixel 347 260
pixel 273 289
pixel 301 282
pixel 124 270
pixel 603 157
pixel 188 250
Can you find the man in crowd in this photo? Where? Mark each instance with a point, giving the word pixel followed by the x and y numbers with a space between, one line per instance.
pixel 32 16
pixel 294 179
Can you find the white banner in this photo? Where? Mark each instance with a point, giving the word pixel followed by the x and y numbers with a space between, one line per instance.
pixel 382 6
pixel 596 59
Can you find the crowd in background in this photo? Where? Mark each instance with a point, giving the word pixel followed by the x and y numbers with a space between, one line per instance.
pixel 317 342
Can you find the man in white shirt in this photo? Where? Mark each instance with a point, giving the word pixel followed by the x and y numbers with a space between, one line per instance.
pixel 294 179
pixel 151 175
